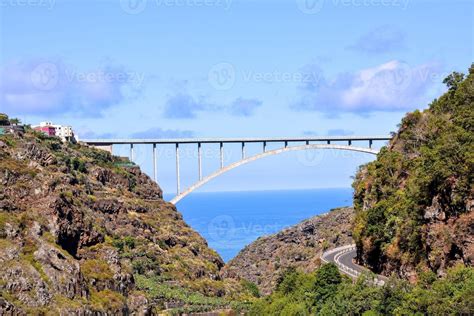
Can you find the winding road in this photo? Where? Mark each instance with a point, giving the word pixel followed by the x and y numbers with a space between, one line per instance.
pixel 343 257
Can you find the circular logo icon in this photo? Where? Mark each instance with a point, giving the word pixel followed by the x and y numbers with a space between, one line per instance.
pixel 311 157
pixel 133 6
pixel 45 76
pixel 310 6
pixel 222 76
pixel 221 228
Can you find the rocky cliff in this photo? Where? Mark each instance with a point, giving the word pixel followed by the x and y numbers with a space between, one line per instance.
pixel 415 203
pixel 83 232
pixel 300 246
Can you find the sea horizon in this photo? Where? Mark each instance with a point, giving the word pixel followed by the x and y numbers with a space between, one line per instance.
pixel 231 220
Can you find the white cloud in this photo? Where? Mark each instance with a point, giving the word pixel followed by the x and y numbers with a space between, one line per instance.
pixel 185 106
pixel 51 87
pixel 392 86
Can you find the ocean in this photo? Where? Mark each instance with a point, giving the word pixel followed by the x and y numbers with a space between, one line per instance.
pixel 231 220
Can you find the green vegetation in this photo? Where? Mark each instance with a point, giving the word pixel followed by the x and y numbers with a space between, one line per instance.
pixel 125 243
pixel 326 292
pixel 145 265
pixel 4 119
pixel 78 165
pixel 15 121
pixel 28 255
pixel 250 287
pixel 429 163
pixel 185 299
pixel 107 300
pixel 96 269
pixel 8 139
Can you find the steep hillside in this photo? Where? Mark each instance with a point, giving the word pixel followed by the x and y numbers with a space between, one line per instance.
pixel 415 203
pixel 83 232
pixel 300 246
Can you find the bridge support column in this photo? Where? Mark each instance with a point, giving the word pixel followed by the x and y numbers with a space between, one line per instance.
pixel 264 146
pixel 222 154
pixel 199 161
pixel 307 142
pixel 131 153
pixel 370 143
pixel 329 142
pixel 177 170
pixel 349 142
pixel 286 144
pixel 243 150
pixel 155 175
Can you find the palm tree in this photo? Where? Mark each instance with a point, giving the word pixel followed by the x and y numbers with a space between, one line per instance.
pixel 15 121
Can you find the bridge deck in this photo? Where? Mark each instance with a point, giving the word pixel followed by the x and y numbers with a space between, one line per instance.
pixel 232 140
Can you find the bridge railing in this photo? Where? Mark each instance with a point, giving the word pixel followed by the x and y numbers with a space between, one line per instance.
pixel 340 251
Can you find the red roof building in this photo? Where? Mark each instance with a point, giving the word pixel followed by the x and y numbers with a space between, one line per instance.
pixel 48 130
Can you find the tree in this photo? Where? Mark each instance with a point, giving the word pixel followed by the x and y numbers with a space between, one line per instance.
pixel 327 281
pixel 4 119
pixel 15 121
pixel 288 281
pixel 453 80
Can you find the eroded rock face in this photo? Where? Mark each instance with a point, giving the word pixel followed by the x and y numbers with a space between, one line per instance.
pixel 62 271
pixel 299 246
pixel 450 242
pixel 35 153
pixel 76 226
pixel 26 282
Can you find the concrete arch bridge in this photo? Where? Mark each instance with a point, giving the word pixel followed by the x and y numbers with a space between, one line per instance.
pixel 288 144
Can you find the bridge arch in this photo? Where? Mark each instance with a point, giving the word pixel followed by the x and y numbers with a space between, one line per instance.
pixel 239 163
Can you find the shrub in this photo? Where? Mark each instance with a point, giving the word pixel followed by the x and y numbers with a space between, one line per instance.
pixel 144 265
pixel 107 300
pixel 78 165
pixel 96 269
pixel 250 287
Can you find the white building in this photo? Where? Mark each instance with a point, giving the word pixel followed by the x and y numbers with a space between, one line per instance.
pixel 64 132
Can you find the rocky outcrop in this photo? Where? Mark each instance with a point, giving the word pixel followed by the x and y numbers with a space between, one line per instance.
pixel 415 203
pixel 450 242
pixel 78 226
pixel 299 246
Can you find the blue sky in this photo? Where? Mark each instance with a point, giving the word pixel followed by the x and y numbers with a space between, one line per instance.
pixel 230 68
